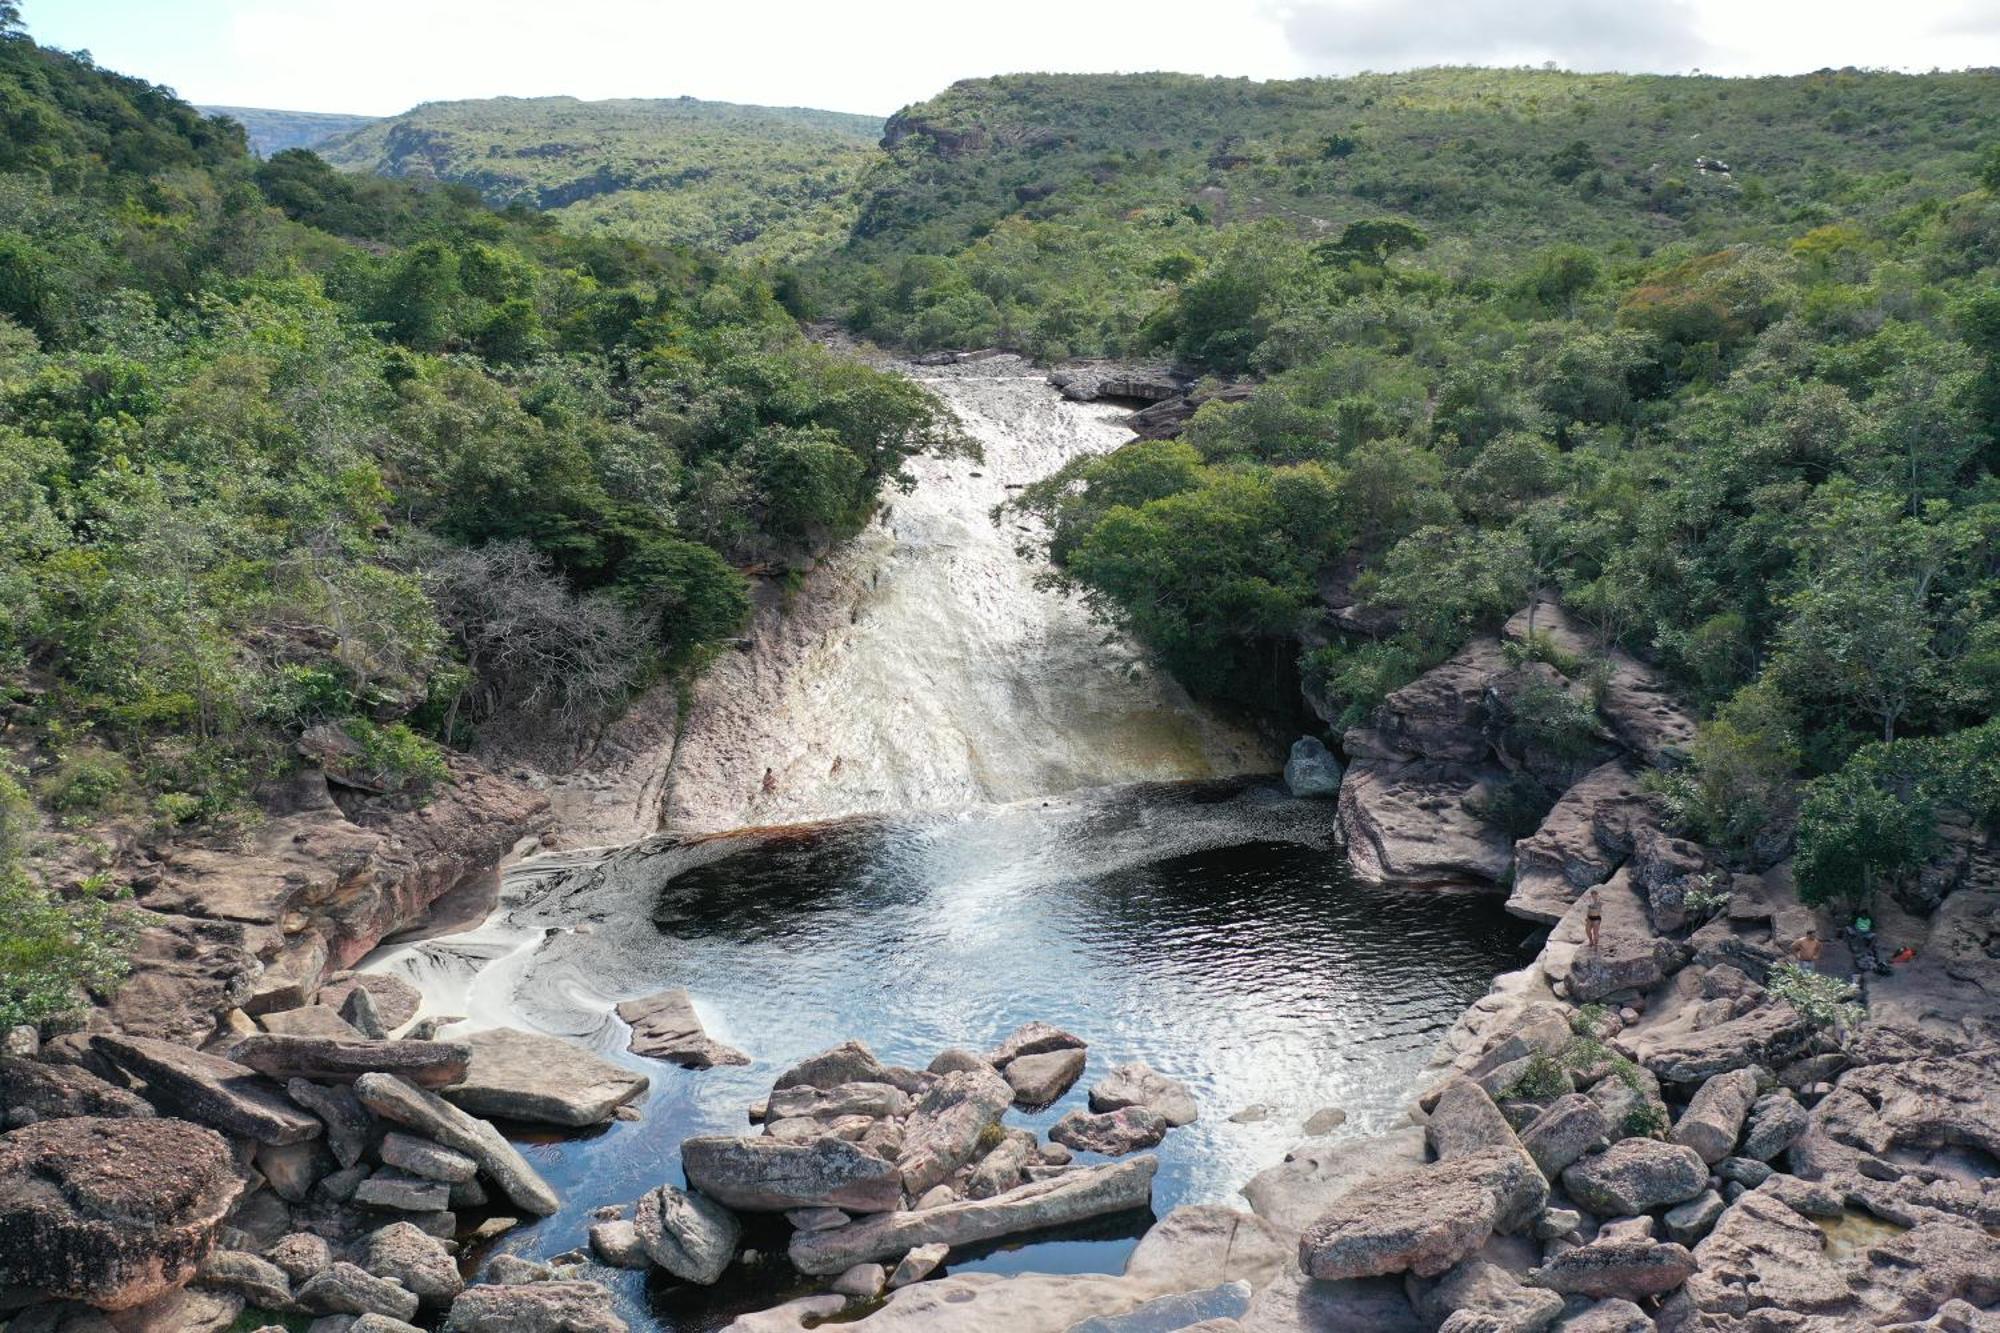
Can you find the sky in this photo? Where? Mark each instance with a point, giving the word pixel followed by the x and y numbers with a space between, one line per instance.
pixel 378 57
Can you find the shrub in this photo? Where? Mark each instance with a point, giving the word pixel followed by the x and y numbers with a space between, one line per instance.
pixel 1823 1000
pixel 1541 646
pixel 1544 716
pixel 84 782
pixel 412 762
pixel 53 953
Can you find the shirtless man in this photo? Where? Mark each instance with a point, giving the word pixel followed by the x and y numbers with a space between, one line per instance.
pixel 1806 949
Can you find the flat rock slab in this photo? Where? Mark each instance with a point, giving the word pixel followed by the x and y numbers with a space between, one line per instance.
pixel 311 1020
pixel 1069 1197
pixel 209 1090
pixel 1414 823
pixel 769 1175
pixel 435 1118
pixel 1316 1174
pixel 1038 1080
pixel 515 1075
pixel 1139 1084
pixel 1425 1220
pixel 535 1307
pixel 428 1064
pixel 665 1027
pixel 1113 1134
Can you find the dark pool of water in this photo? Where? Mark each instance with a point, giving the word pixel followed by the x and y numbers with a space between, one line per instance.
pixel 1208 930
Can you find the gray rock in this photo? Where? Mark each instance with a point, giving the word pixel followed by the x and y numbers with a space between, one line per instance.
pixel 347 1123
pixel 1769 1035
pixel 863 1282
pixel 1181 1310
pixel 1035 1038
pixel 516 1075
pixel 816 1219
pixel 513 1270
pixel 292 1169
pixel 944 1132
pixel 417 1261
pixel 1633 1269
pixel 953 1059
pixel 23 1040
pixel 259 1281
pixel 617 1244
pixel 404 1193
pixel 1636 1176
pixel 1494 1295
pixel 1294 1303
pixel 377 1323
pixel 1424 1220
pixel 1714 1117
pixel 1464 1121
pixel 1138 1084
pixel 1113 1133
pixel 208 1089
pixel 1324 1121
pixel 1311 769
pixel 1745 1171
pixel 394 1000
pixel 428 1064
pixel 310 1020
pixel 1000 1170
pixel 1256 1113
pixel 300 1254
pixel 873 1100
pixel 1566 1129
pixel 358 1009
pixel 691 1237
pixel 421 1157
pixel 1688 1222
pixel 1316 1174
pixel 765 1175
pixel 344 1288
pixel 849 1062
pixel 1071 1197
pixel 57 1092
pixel 539 1307
pixel 918 1264
pixel 666 1027
pixel 1038 1080
pixel 430 1115
pixel 1611 1315
pixel 1557 1222
pixel 1776 1122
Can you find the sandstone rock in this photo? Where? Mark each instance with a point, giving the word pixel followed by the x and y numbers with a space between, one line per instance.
pixel 849 1062
pixel 1666 869
pixel 1636 700
pixel 421 1157
pixel 1611 1315
pixel 944 1131
pixel 1294 1303
pixel 1424 1220
pixel 1581 841
pixel 691 1237
pixel 1566 1129
pixel 1000 1170
pixel 515 1075
pixel 1488 1293
pixel 1210 1308
pixel 1311 769
pixel 403 1193
pixel 1629 955
pixel 430 1115
pixel 1634 1269
pixel 863 1282
pixel 1415 823
pixel 1324 1121
pixel 1038 1080
pixel 310 1020
pixel 1112 1134
pixel 358 1009
pixel 1138 1084
pixel 616 1243
pixel 189 1310
pixel 344 1288
pixel 1769 1035
pixel 872 1100
pixel 536 1307
pixel 208 1089
pixel 300 1254
pixel 1776 1122
pixel 1877 1112
pixel 1317 1173
pixel 1033 1038
pixel 1464 1121
pixel 259 1281
pixel 348 1126
pixel 114 1211
pixel 292 1169
pixel 428 1064
pixel 765 1175
pixel 56 1092
pixel 1631 1104
pixel 1714 1117
pixel 954 1058
pixel 816 1219
pixel 418 1262
pixel 1071 1197
pixel 918 1264
pixel 1762 1254
pixel 1636 1176
pixel 394 1000
pixel 1688 1222
pixel 666 1027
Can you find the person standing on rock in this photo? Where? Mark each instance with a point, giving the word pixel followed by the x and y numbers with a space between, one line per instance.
pixel 1805 949
pixel 1593 918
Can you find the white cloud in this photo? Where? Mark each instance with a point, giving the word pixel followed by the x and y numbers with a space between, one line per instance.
pixel 1342 36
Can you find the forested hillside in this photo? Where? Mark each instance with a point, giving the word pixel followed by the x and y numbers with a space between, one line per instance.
pixel 272 132
pixel 773 182
pixel 287 452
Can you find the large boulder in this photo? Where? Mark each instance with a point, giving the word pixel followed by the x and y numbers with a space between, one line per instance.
pixel 208 1089
pixel 515 1075
pixel 535 1307
pixel 430 1115
pixel 1631 1267
pixel 849 1062
pixel 666 1027
pixel 1069 1197
pixel 1770 1034
pixel 1584 837
pixel 1464 1121
pixel 1311 769
pixel 1485 1290
pixel 944 1132
pixel 763 1174
pixel 1316 1174
pixel 1417 822
pixel 54 1092
pixel 1424 1220
pixel 691 1237
pixel 413 1259
pixel 1113 1133
pixel 1713 1120
pixel 1629 956
pixel 1636 1176
pixel 113 1211
pixel 1295 1303
pixel 428 1064
pixel 1031 1038
pixel 1139 1084
pixel 344 1288
pixel 1565 1129
pixel 1038 1080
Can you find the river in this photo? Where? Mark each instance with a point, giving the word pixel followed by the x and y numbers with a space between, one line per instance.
pixel 983 808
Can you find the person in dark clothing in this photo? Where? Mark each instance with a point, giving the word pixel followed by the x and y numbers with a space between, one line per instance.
pixel 1593 918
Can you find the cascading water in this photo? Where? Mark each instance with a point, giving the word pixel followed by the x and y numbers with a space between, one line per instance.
pixel 981 808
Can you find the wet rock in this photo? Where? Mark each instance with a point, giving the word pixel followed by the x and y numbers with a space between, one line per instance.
pixel 1138 1084
pixel 345 1288
pixel 691 1237
pixel 537 1307
pixel 430 1115
pixel 1491 1294
pixel 944 1132
pixel 1311 769
pixel 208 1089
pixel 666 1027
pixel 765 1175
pixel 1256 1113
pixel 1324 1121
pixel 259 1281
pixel 1714 1117
pixel 1082 1193
pixel 418 1262
pixel 57 1092
pixel 849 1062
pixel 1112 1134
pixel 348 1126
pixel 863 1282
pixel 1033 1038
pixel 1316 1174
pixel 300 1254
pixel 428 1064
pixel 1688 1222
pixel 114 1211
pixel 404 1193
pixel 1424 1220
pixel 1038 1080
pixel 1566 1129
pixel 421 1157
pixel 616 1243
pixel 1776 1122
pixel 1634 1269
pixel 1636 1176
pixel 515 1075
pixel 918 1264
pixel 1088 381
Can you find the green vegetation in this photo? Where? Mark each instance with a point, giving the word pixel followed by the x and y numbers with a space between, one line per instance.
pixel 1826 1001
pixel 52 952
pixel 770 182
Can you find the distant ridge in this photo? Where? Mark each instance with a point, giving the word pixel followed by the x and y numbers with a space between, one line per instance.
pixel 272 131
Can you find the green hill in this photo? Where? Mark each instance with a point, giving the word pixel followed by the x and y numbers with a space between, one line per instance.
pixel 272 132
pixel 1062 205
pixel 767 181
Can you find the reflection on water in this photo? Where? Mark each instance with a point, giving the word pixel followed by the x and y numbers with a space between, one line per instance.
pixel 1209 930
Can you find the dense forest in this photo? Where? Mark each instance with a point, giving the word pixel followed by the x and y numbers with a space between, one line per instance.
pixel 768 182
pixel 285 450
